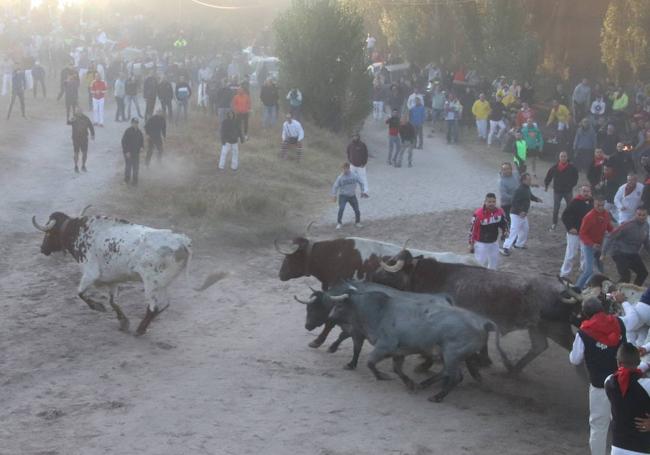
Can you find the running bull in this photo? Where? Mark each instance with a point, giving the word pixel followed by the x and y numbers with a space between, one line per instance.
pixel 111 251
pixel 332 261
pixel 512 301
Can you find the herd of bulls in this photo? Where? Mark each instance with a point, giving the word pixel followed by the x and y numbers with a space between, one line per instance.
pixel 403 301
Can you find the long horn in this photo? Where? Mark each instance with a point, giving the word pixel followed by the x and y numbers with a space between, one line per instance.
pixel 405 244
pixel 573 294
pixel 83 212
pixel 399 265
pixel 569 301
pixel 50 224
pixel 309 228
pixel 338 298
pixel 304 302
pixel 288 251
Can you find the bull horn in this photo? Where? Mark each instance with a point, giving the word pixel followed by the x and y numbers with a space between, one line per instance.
pixel 50 224
pixel 287 251
pixel 309 228
pixel 405 244
pixel 573 294
pixel 569 301
pixel 338 298
pixel 399 265
pixel 83 212
pixel 304 302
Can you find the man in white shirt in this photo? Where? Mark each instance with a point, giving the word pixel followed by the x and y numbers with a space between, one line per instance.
pixel 628 198
pixel 410 103
pixel 292 136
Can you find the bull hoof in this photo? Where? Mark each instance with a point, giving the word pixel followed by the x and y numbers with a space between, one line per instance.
pixel 437 398
pixel 484 362
pixel 413 387
pixel 333 348
pixel 316 344
pixel 139 333
pixel 349 366
pixel 124 325
pixel 383 377
pixel 97 306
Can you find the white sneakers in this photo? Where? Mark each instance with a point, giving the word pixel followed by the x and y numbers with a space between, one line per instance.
pixel 357 225
pixel 338 226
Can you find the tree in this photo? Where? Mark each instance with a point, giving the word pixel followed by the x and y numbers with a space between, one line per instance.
pixel 321 48
pixel 625 39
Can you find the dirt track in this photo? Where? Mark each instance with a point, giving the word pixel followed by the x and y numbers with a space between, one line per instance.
pixel 228 371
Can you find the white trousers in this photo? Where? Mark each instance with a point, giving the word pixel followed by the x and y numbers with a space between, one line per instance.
pixel 361 172
pixel 234 162
pixel 625 215
pixel 637 321
pixel 487 254
pixel 599 417
pixel 572 250
pixel 482 127
pixel 6 84
pixel 377 110
pixel 98 111
pixel 496 129
pixel 518 231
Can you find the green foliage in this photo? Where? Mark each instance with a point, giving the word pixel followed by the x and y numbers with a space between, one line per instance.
pixel 625 39
pixel 321 47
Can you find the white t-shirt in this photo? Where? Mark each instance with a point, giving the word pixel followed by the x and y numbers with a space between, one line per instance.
pixel 370 41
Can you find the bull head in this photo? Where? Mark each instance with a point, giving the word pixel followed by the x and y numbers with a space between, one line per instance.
pixel 399 264
pixel 52 241
pixel 48 226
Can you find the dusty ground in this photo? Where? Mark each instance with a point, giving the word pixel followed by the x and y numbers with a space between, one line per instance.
pixel 228 371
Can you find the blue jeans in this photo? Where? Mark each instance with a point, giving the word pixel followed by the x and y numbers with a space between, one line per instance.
pixel 181 105
pixel 589 255
pixel 395 144
pixel 270 116
pixel 354 202
pixel 452 131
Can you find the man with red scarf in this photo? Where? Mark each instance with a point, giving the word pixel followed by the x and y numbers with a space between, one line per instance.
pixel 564 176
pixel 629 395
pixel 596 343
pixel 485 232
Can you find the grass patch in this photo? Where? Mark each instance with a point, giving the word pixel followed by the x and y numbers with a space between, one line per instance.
pixel 266 197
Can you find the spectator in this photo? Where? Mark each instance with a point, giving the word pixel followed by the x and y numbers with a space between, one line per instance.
pixel 598 108
pixel 269 97
pixel 622 163
pixel 132 144
pixel 394 143
pixel 561 116
pixel 592 232
pixel 524 114
pixel 596 168
pixel 609 142
pixel 395 99
pixel 224 100
pixel 596 343
pixel 156 129
pixel 346 185
pixel 572 219
pixel 584 145
pixel 481 111
pixel 496 117
pixel 564 176
pixel 508 184
pixel 629 397
pixel 295 103
pixel 417 115
pixel 183 95
pixel 484 233
pixel 628 198
pixel 149 92
pixel 527 94
pixel 118 93
pixel 377 99
pixel 581 99
pixel 241 106
pixel 230 135
pixel 407 136
pixel 165 93
pixel 131 91
pixel 453 113
pixel 38 78
pixel 358 158
pixel 98 89
pixel 71 91
pixel 292 137
pixel 410 102
pixel 520 152
pixel 438 98
pixel 81 126
pixel 18 84
pixel 625 242
pixel 519 216
pixel 534 143
pixel 643 150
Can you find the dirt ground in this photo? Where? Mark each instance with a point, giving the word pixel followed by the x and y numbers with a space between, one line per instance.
pixel 228 371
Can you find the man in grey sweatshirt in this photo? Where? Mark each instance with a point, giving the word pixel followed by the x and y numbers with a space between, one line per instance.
pixel 625 242
pixel 508 184
pixel 346 187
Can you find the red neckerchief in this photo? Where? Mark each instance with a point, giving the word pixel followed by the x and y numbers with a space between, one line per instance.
pixel 580 197
pixel 603 328
pixel 647 181
pixel 599 161
pixel 562 166
pixel 623 376
pixel 629 190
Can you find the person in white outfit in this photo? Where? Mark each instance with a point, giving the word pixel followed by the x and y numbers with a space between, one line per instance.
pixel 628 198
pixel 637 318
pixel 230 135
pixel 596 343
pixel 410 102
pixel 572 219
pixel 98 90
pixel 519 215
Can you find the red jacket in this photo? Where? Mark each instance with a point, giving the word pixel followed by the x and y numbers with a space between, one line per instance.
pixel 593 227
pixel 486 224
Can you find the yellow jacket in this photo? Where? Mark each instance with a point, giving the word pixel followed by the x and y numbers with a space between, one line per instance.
pixel 481 109
pixel 561 114
pixel 509 99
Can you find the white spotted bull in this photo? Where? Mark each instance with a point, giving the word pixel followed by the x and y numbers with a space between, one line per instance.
pixel 111 251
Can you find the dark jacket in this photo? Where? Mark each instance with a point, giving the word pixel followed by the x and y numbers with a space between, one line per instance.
pixel 81 125
pixel 608 143
pixel 635 403
pixel 497 111
pixel 131 87
pixel 224 97
pixel 149 88
pixel 357 153
pixel 183 91
pixel 521 200
pixel 622 164
pixel 230 131
pixel 600 359
pixel 407 132
pixel 595 173
pixel 269 95
pixel 575 212
pixel 645 196
pixel 132 140
pixel 156 127
pixel 563 181
pixel 165 91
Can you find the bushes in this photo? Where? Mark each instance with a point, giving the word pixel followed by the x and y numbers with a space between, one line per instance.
pixel 321 46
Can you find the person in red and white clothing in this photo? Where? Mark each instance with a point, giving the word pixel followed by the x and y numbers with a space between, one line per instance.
pixel 98 90
pixel 484 233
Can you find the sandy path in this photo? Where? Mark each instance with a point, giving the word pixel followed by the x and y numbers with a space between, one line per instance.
pixel 227 371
